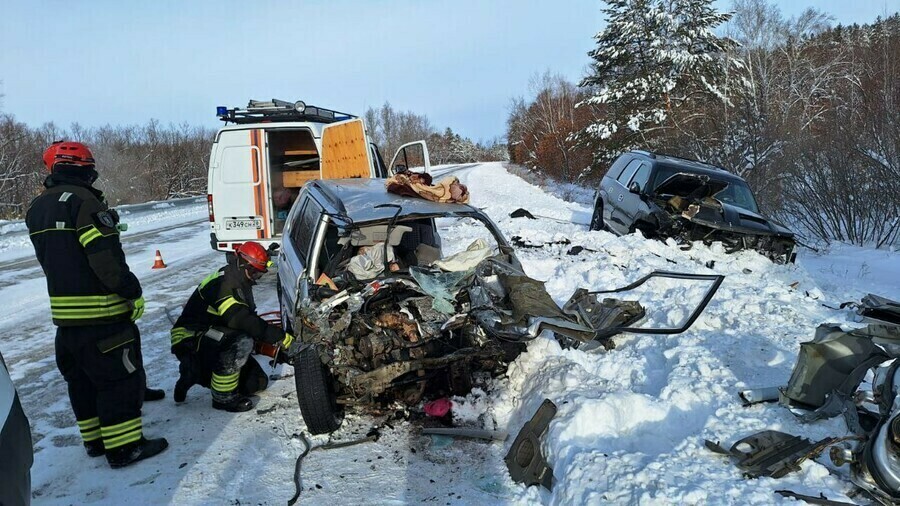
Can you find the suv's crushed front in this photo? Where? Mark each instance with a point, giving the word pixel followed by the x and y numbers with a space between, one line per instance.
pixel 687 210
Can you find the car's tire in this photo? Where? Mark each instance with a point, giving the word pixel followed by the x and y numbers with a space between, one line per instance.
pixel 597 217
pixel 315 393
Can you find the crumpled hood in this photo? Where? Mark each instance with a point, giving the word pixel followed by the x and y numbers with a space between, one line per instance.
pixel 684 184
pixel 738 219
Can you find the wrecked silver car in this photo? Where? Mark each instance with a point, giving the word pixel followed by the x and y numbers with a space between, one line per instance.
pixel 398 299
pixel 665 196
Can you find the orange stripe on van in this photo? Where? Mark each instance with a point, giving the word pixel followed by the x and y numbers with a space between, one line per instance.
pixel 254 162
pixel 264 182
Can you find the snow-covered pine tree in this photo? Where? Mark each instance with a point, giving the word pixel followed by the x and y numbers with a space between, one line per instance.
pixel 653 57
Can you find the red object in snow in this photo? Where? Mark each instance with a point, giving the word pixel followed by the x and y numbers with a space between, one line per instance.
pixel 438 408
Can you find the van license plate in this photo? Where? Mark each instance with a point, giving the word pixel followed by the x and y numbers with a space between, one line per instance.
pixel 243 224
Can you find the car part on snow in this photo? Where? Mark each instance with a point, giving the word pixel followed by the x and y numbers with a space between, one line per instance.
pixel 809 499
pixel 714 279
pixel 874 464
pixel 371 436
pixel 830 368
pixel 525 460
pixel 522 213
pixel 490 435
pixel 876 309
pixel 772 453
pixel 757 395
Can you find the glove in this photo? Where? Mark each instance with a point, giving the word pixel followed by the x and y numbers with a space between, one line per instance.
pixel 290 346
pixel 137 308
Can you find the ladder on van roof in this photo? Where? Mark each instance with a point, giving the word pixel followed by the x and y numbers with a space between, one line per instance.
pixel 263 111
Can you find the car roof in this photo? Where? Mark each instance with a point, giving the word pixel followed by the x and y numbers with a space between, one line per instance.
pixel 356 198
pixel 689 166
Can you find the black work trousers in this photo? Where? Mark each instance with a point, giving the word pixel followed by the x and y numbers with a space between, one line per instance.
pixel 104 369
pixel 219 359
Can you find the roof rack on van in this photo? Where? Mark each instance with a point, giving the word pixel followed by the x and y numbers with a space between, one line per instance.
pixel 263 111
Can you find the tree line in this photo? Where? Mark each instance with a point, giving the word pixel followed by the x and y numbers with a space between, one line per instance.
pixel 807 112
pixel 139 163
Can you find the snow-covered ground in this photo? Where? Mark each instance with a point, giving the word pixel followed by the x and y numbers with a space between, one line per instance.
pixel 631 421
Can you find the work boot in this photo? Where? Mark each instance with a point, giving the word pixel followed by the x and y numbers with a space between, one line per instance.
pixel 95 448
pixel 185 377
pixel 154 394
pixel 181 388
pixel 238 405
pixel 132 452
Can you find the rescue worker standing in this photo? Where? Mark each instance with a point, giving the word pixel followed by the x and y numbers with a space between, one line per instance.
pixel 214 335
pixel 94 301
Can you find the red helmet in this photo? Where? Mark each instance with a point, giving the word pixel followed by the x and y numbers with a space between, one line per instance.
pixel 254 255
pixel 72 153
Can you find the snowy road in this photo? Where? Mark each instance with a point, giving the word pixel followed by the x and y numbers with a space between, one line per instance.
pixel 631 422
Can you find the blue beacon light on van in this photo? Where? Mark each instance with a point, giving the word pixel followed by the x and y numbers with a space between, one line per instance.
pixel 221 111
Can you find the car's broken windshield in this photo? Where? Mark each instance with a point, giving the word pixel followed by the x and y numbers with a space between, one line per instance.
pixel 737 193
pixel 364 251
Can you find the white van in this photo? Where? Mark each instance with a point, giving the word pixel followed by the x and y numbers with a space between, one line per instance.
pixel 259 164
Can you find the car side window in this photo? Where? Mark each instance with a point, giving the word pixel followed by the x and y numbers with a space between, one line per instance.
pixel 617 167
pixel 641 176
pixel 304 227
pixel 629 171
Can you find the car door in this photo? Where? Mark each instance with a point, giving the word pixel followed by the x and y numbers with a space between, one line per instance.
pixel 411 156
pixel 618 193
pixel 293 259
pixel 634 205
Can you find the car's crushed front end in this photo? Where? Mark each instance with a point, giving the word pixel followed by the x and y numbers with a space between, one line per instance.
pixel 685 208
pixel 394 331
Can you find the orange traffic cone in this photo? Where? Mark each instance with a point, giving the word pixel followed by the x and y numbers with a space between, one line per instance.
pixel 158 262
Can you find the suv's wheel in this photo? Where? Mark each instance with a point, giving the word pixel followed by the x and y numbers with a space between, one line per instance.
pixel 315 393
pixel 597 217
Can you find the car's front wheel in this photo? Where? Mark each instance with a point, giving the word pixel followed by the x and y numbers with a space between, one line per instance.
pixel 315 393
pixel 597 217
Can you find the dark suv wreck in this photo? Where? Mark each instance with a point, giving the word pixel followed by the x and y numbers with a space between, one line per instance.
pixel 664 196
pixel 399 298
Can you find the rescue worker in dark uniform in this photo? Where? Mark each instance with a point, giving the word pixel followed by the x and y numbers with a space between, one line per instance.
pixel 214 335
pixel 94 301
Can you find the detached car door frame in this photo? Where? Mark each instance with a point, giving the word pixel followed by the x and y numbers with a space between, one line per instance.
pixel 402 151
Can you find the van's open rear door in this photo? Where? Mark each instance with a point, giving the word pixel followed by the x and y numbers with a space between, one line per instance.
pixel 345 151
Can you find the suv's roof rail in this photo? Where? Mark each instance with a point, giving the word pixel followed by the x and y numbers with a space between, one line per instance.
pixel 701 162
pixel 643 152
pixel 264 111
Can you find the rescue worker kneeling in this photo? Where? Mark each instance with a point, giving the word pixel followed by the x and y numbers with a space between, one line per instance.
pixel 214 335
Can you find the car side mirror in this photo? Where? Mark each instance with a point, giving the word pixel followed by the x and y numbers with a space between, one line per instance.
pixel 399 168
pixel 635 188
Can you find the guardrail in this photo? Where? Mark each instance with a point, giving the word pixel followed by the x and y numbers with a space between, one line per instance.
pixel 136 208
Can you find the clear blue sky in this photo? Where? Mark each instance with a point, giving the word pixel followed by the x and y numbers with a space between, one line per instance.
pixel 459 62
